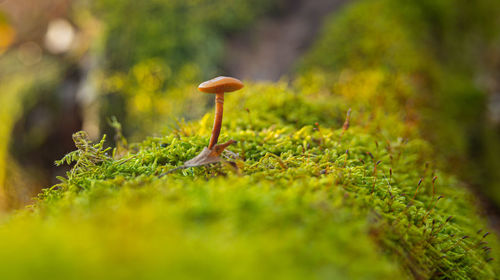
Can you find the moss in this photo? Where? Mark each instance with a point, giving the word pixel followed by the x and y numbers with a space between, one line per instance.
pixel 438 54
pixel 306 201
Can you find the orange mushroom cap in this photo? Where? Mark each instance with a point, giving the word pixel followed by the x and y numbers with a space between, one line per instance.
pixel 220 84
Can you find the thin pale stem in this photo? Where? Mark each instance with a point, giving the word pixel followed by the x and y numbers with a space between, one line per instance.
pixel 219 108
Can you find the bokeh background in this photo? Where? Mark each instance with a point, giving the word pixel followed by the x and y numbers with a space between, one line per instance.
pixel 69 65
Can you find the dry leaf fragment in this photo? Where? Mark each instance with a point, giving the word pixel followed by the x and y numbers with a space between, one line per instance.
pixel 207 156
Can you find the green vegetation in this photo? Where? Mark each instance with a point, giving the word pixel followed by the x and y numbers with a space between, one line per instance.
pixel 298 205
pixel 140 66
pixel 316 192
pixel 438 54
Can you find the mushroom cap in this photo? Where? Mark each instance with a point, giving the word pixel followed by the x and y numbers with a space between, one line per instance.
pixel 220 84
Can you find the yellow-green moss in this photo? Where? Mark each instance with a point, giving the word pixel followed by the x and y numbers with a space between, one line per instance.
pixel 305 202
pixel 439 53
pixel 308 200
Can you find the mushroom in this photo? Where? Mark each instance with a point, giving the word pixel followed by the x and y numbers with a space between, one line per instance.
pixel 211 154
pixel 219 86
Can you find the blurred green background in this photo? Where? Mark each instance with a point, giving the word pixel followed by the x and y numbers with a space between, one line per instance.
pixel 71 65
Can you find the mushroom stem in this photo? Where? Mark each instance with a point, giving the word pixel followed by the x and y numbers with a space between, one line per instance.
pixel 219 108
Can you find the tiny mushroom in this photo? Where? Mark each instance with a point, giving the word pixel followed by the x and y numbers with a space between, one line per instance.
pixel 212 153
pixel 219 86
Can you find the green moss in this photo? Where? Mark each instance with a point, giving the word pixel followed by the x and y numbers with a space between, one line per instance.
pixel 438 53
pixel 298 206
pixel 308 199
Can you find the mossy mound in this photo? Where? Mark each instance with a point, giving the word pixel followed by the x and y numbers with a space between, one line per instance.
pixel 438 53
pixel 304 200
pixel 313 194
